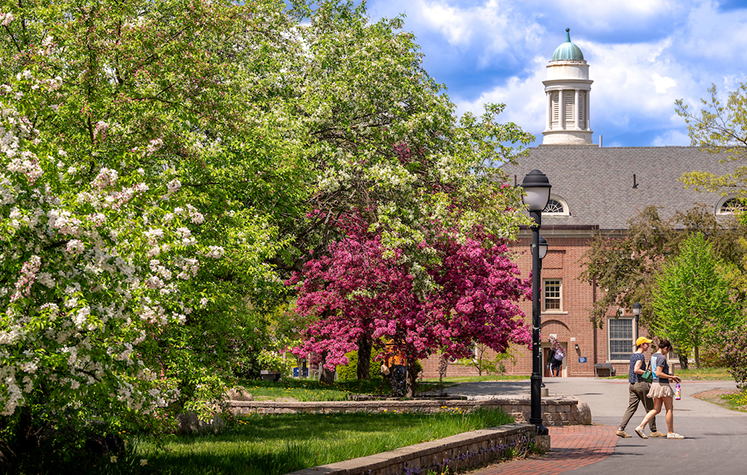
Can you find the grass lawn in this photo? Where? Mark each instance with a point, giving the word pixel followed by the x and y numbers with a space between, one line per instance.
pixel 466 379
pixel 737 401
pixel 311 390
pixel 282 443
pixel 702 374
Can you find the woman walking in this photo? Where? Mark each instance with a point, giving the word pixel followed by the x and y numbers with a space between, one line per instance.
pixel 660 391
pixel 556 357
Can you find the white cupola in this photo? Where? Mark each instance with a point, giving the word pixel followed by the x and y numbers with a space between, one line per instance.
pixel 567 89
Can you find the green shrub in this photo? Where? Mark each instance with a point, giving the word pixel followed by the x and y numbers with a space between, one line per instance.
pixel 349 372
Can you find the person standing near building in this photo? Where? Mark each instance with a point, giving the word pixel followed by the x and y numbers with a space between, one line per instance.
pixel 638 388
pixel 556 357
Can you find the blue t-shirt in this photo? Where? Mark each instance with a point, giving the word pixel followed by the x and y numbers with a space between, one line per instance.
pixel 657 359
pixel 633 377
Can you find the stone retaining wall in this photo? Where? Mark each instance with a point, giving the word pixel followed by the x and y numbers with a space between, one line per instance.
pixel 556 411
pixel 461 451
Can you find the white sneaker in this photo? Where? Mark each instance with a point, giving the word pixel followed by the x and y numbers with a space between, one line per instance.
pixel 675 435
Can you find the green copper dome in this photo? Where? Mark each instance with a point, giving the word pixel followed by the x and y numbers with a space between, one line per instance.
pixel 568 51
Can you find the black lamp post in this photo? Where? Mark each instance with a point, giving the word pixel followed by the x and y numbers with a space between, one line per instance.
pixel 537 189
pixel 636 311
pixel 543 248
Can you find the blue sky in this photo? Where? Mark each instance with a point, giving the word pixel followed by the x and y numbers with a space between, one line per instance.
pixel 643 55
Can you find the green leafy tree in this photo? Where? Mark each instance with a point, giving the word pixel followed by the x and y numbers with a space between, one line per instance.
pixel 719 129
pixel 694 303
pixel 230 136
pixel 624 268
pixel 734 352
pixel 484 364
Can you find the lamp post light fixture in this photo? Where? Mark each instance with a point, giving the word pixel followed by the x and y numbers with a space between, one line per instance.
pixel 636 311
pixel 543 248
pixel 536 187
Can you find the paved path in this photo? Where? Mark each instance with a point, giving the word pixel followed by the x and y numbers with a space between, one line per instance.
pixel 715 437
pixel 572 447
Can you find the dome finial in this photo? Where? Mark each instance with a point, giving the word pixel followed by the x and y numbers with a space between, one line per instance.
pixel 568 35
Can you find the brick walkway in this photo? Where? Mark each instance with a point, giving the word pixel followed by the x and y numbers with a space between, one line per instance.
pixel 572 447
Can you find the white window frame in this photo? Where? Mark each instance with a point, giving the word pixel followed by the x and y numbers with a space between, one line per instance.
pixel 563 203
pixel 631 341
pixel 721 202
pixel 559 298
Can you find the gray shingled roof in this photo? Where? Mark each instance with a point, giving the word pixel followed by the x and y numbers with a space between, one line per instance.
pixel 597 183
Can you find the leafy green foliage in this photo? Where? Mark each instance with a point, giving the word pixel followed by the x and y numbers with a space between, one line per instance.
pixel 483 364
pixel 694 303
pixel 719 129
pixel 735 354
pixel 349 371
pixel 625 268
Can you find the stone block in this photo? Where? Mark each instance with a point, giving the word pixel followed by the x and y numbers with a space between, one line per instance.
pixel 239 393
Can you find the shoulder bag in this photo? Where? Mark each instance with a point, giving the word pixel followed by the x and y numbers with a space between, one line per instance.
pixel 647 376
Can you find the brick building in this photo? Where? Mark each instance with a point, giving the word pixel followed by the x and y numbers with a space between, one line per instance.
pixel 594 190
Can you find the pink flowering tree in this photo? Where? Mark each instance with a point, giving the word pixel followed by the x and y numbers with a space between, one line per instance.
pixel 466 294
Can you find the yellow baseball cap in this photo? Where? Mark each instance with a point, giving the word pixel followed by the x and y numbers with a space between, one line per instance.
pixel 642 340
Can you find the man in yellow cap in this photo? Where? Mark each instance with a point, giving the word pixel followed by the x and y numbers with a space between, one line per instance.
pixel 638 388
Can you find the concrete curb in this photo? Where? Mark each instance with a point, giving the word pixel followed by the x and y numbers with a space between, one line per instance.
pixel 461 451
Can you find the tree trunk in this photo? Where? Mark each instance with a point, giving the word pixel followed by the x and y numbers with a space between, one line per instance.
pixel 411 376
pixel 697 358
pixel 683 359
pixel 364 358
pixel 326 376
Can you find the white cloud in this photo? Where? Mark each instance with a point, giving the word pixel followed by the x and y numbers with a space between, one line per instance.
pixel 610 13
pixel 671 137
pixel 524 99
pixel 661 83
pixel 643 55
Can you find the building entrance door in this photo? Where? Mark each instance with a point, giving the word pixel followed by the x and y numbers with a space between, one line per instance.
pixel 546 359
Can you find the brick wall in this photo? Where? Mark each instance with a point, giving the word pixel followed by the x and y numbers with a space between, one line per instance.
pixel 570 324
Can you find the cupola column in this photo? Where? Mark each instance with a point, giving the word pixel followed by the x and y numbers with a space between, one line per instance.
pixel 567 87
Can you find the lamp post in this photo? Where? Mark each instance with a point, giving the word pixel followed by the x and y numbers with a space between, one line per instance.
pixel 537 189
pixel 636 311
pixel 543 248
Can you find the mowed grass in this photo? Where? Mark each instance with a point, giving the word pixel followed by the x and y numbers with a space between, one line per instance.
pixel 704 374
pixel 692 374
pixel 281 443
pixel 312 390
pixel 737 401
pixel 466 379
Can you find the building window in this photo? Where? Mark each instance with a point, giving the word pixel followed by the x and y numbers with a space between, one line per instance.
pixel 554 206
pixel 557 206
pixel 553 295
pixel 731 206
pixel 621 338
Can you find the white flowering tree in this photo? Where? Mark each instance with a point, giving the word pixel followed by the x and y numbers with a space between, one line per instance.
pixel 132 254
pixel 166 164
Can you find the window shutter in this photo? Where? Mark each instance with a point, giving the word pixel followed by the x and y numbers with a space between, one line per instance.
pixel 568 99
pixel 582 109
pixel 555 110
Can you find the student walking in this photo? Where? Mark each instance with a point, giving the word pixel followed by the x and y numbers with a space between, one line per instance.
pixel 556 357
pixel 638 388
pixel 661 391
